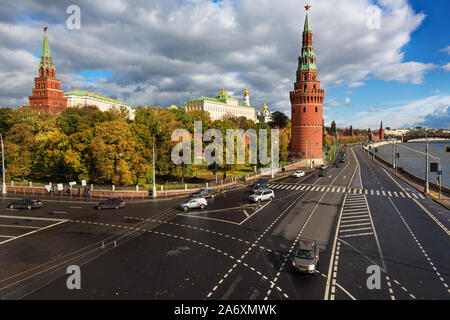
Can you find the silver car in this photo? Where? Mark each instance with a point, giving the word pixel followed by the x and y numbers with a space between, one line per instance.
pixel 194 203
pixel 262 195
pixel 306 257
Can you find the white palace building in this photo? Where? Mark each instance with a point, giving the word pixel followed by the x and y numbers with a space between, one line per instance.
pixel 222 105
pixel 79 99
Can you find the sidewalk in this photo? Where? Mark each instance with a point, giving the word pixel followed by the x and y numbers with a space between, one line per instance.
pixel 434 195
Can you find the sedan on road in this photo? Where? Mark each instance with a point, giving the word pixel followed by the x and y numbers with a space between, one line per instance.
pixel 306 258
pixel 263 195
pixel 298 174
pixel 111 204
pixel 204 193
pixel 323 173
pixel 25 204
pixel 193 203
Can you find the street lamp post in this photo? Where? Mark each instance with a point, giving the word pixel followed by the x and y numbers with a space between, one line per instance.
pixel 427 187
pixel 154 179
pixel 3 167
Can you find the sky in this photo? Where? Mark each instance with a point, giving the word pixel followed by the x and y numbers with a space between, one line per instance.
pixel 394 69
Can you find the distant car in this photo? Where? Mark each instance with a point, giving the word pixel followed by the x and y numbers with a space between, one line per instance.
pixel 306 258
pixel 263 195
pixel 259 184
pixel 194 203
pixel 25 204
pixel 337 164
pixel 342 160
pixel 298 174
pixel 323 173
pixel 204 193
pixel 111 204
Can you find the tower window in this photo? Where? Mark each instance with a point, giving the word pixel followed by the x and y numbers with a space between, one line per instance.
pixel 305 86
pixel 316 109
pixel 304 109
pixel 47 72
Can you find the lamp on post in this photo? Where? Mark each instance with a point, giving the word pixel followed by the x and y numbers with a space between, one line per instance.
pixel 3 167
pixel 427 188
pixel 153 158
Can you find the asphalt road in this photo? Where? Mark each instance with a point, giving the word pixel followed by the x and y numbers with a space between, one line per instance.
pixel 359 215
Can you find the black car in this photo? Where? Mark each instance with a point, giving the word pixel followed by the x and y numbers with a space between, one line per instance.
pixel 204 193
pixel 25 204
pixel 342 160
pixel 111 204
pixel 260 183
pixel 337 164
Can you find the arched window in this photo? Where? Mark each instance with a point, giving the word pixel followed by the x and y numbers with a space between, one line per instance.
pixel 316 109
pixel 47 72
pixel 304 109
pixel 305 87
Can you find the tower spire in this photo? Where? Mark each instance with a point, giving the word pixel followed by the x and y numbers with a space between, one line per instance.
pixel 307 58
pixel 307 27
pixel 46 57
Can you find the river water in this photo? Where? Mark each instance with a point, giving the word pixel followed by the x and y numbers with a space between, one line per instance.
pixel 415 162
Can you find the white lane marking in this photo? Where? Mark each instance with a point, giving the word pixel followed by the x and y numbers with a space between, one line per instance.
pixel 302 188
pixel 356 216
pixel 2 236
pixel 355 220
pixel 418 243
pixel 76 207
pixel 32 218
pixel 354 225
pixel 34 231
pixel 356 235
pixel 16 226
pixel 415 196
pixel 246 214
pixel 378 193
pixel 390 194
pixel 357 229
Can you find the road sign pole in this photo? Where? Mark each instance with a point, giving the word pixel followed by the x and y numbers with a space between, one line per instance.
pixel 427 187
pixel 3 167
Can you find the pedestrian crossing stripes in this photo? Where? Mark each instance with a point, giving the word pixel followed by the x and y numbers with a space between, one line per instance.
pixel 355 220
pixel 356 191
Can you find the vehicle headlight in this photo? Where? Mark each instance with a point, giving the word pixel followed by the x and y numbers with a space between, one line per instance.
pixel 311 267
pixel 293 263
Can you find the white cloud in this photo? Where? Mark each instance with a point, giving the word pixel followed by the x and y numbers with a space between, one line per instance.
pixel 404 72
pixel 446 67
pixel 447 49
pixel 165 52
pixel 403 116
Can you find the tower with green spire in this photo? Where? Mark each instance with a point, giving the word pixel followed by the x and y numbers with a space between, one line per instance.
pixel 307 103
pixel 47 96
pixel 46 66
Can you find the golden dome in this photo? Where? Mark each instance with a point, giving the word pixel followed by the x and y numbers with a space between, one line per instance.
pixel 246 92
pixel 223 92
pixel 264 107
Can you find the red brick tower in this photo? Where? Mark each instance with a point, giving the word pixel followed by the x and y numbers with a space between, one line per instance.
pixel 306 103
pixel 381 132
pixel 47 96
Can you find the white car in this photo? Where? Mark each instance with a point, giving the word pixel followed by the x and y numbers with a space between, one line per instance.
pixel 194 203
pixel 262 195
pixel 298 174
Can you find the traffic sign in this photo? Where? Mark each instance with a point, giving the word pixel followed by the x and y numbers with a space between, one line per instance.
pixel 433 167
pixel 4 170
